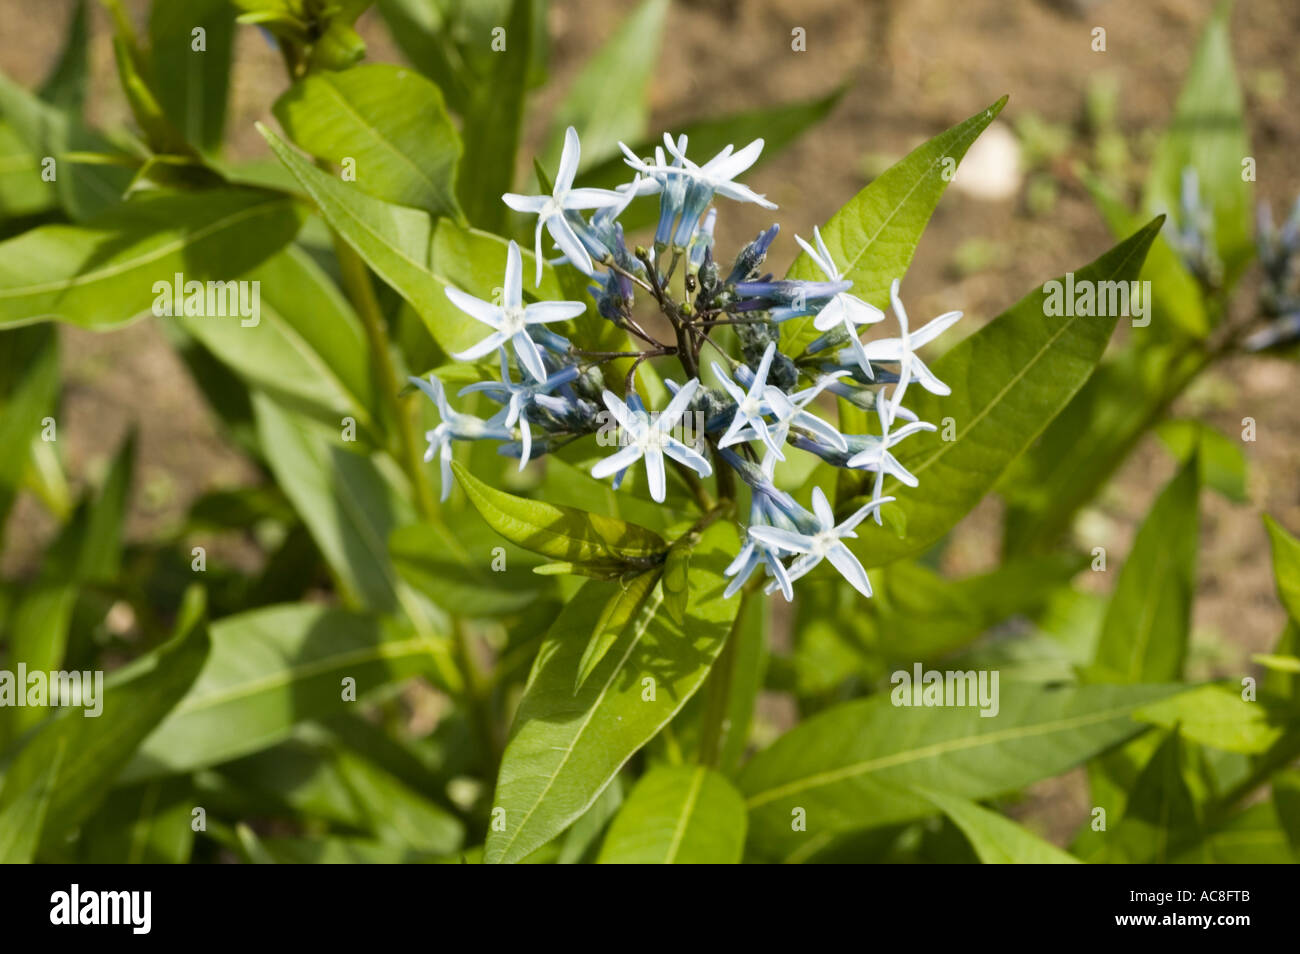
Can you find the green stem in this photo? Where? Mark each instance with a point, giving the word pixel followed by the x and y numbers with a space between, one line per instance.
pixel 477 699
pixel 356 282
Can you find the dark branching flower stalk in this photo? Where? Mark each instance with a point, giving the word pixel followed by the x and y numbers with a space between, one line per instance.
pixel 758 406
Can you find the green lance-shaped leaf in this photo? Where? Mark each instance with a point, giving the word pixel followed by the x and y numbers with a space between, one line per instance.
pixel 872 238
pixel 425 34
pixel 446 42
pixel 1286 803
pixel 402 247
pixel 1161 816
pixel 1086 443
pixel 1252 836
pixel 1286 566
pixel 193 85
pixel 306 349
pixel 678 814
pixel 582 840
pixel 88 549
pixel 465 568
pixel 84 190
pixel 349 501
pixel 160 135
pixel 1178 308
pixel 608 102
pixel 104 273
pixel 313 777
pixel 492 138
pixel 618 614
pixel 65 84
pixel 677 581
pixel 852 767
pixel 1208 135
pixel 1145 632
pixel 1008 381
pixel 270 669
pixel 22 191
pixel 95 749
pixel 998 840
pixel 1223 464
pixel 1219 717
pixel 142 824
pixel 23 817
pixel 565 747
pixel 390 121
pixel 29 387
pixel 562 533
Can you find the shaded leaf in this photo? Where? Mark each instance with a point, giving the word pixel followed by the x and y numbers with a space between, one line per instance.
pixel 270 669
pixel 566 747
pixel 1144 635
pixel 998 840
pixel 561 533
pixel 95 750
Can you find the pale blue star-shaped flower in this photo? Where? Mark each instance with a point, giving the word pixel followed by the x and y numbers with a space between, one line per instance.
pixel 688 188
pixel 651 439
pixel 755 553
pixel 516 398
pixel 903 350
pixel 824 543
pixel 509 321
pixel 454 426
pixel 845 310
pixel 717 174
pixel 876 456
pixel 750 406
pixel 550 209
pixel 792 411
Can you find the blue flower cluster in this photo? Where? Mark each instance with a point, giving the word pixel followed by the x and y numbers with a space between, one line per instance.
pixel 759 405
pixel 1191 233
pixel 1279 254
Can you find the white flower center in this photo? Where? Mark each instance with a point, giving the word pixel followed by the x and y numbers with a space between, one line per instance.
pixel 651 439
pixel 512 320
pixel 822 541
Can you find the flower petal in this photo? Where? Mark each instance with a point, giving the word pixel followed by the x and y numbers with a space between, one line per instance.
pixel 528 355
pixel 844 561
pixel 923 336
pixel 822 509
pixel 569 244
pixel 670 415
pixel 542 312
pixel 654 471
pixel 617 461
pixel 688 456
pixel 513 291
pixel 476 308
pixel 568 162
pixel 781 539
pixel 486 346
pixel 531 204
